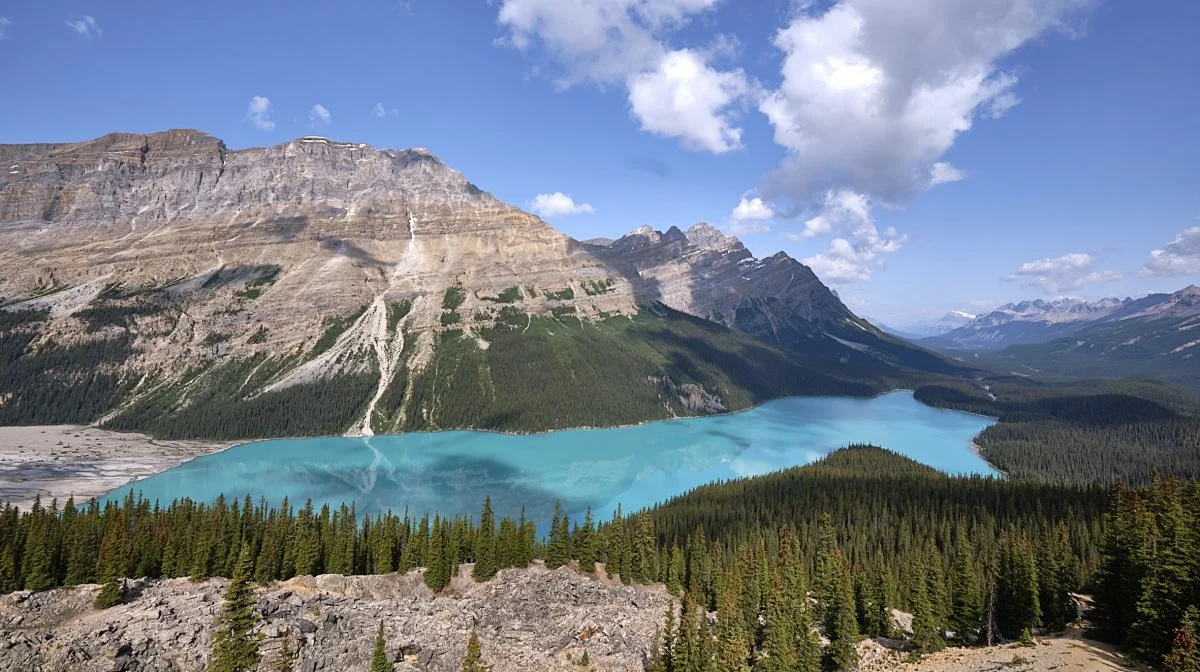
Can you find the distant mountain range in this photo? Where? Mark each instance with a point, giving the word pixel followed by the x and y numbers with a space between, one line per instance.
pixel 927 328
pixel 168 284
pixel 1157 335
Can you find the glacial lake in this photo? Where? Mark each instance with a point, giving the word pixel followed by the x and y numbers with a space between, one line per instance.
pixel 453 471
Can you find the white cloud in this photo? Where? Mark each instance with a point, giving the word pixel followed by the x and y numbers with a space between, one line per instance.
pixel 85 26
pixel 875 92
pixel 685 98
pixel 5 26
pixel 859 249
pixel 1058 274
pixel 558 204
pixel 379 112
pixel 675 93
pixel 944 173
pixel 319 115
pixel 1181 256
pixel 259 113
pixel 752 209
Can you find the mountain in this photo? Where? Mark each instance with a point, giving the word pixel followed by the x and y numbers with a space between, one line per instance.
pixel 1026 322
pixel 1156 336
pixel 166 283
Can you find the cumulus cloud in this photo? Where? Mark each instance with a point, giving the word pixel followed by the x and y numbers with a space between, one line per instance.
pixel 85 25
pixel 5 27
pixel 259 113
pixel 1181 256
pixel 676 93
pixel 859 248
pixel 875 92
pixel 558 204
pixel 751 209
pixel 318 115
pixel 684 98
pixel 1058 274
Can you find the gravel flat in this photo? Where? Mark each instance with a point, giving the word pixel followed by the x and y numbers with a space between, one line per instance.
pixel 58 461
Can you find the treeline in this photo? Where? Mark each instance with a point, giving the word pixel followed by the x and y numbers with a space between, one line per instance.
pixel 1083 432
pixel 1147 590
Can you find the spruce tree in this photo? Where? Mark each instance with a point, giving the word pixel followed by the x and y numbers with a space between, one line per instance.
pixel 112 592
pixel 924 624
pixel 437 569
pixel 645 552
pixel 379 657
pixel 733 652
pixel 585 548
pixel 486 561
pixel 235 644
pixel 559 551
pixel 966 604
pixel 473 659
pixel 841 625
pixel 1169 583
pixel 779 638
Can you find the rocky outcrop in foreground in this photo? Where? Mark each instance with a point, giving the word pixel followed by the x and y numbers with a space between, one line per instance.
pixel 527 620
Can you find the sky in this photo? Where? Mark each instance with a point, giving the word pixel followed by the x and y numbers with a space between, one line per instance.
pixel 919 155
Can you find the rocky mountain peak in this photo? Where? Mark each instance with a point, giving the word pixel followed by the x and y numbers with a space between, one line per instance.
pixel 707 236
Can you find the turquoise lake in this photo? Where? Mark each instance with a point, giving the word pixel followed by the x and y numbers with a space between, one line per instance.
pixel 453 471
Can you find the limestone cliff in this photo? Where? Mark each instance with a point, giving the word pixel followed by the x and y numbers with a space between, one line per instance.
pixel 316 259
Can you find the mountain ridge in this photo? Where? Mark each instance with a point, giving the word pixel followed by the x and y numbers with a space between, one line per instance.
pixel 166 275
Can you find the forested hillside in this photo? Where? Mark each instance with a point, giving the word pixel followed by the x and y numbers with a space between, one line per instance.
pixel 1091 431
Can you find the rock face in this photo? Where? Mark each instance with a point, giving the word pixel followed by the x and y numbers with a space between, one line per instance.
pixel 527 620
pixel 335 259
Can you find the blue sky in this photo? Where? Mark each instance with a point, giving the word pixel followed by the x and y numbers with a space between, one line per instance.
pixel 921 155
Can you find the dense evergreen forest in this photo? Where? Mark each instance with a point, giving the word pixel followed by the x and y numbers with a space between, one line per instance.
pixel 538 374
pixel 864 530
pixel 1080 431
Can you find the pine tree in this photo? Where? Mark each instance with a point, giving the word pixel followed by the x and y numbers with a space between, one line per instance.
pixel 585 547
pixel 486 561
pixel 1017 606
pixel 645 552
pixel 379 657
pixel 924 624
pixel 841 625
pixel 966 606
pixel 779 638
pixel 1185 649
pixel 733 652
pixel 473 659
pixel 437 569
pixel 235 644
pixel 1169 583
pixel 112 592
pixel 559 551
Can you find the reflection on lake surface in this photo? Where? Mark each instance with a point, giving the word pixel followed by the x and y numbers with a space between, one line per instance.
pixel 452 472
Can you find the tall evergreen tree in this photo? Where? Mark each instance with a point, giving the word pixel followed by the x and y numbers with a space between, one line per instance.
pixel 733 651
pixel 285 660
pixel 379 657
pixel 558 553
pixel 585 547
pixel 841 624
pixel 235 644
pixel 473 659
pixel 486 561
pixel 966 601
